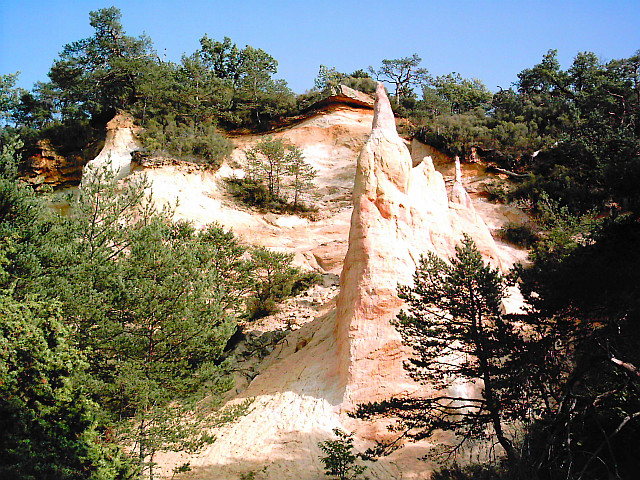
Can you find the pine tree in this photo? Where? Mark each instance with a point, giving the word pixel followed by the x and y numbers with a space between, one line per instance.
pixel 267 163
pixel 458 334
pixel 154 302
pixel 280 166
pixel 302 174
pixel 47 421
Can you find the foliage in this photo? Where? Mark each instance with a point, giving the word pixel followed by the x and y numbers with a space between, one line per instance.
pixel 154 302
pixel 498 191
pixel 255 194
pixel 267 162
pixel 8 162
pixel 109 59
pixel 459 337
pixel 520 234
pixel 583 284
pixel 280 167
pixel 454 95
pixel 24 226
pixel 93 78
pixel 246 74
pixel 340 461
pixel 358 80
pixel 301 175
pixel 66 137
pixel 274 280
pixel 585 116
pixel 9 96
pixel 403 73
pixel 48 426
pixel 200 142
pixel 471 472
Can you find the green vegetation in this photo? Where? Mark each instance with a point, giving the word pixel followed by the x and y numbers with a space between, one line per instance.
pixel 201 143
pixel 48 426
pixel 115 318
pixel 276 171
pixel 458 335
pixel 340 461
pixel 559 385
pixel 128 311
pixel 183 106
pixel 520 234
pixel 402 73
pixel 274 280
pixel 358 80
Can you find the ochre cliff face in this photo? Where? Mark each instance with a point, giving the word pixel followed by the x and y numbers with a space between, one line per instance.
pixel 348 352
pixel 45 166
pixel 400 213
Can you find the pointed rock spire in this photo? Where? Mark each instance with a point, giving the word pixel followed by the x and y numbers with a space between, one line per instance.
pixel 383 118
pixel 399 214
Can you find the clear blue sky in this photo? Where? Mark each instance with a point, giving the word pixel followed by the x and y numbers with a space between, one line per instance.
pixel 489 40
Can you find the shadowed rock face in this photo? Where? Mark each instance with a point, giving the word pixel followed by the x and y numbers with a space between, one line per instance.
pixel 400 213
pixel 47 167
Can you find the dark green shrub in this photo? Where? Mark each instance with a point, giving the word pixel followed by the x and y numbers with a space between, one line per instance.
pixel 251 192
pixel 497 191
pixel 199 143
pixel 304 281
pixel 520 234
pixel 274 279
pixel 256 194
pixel 471 472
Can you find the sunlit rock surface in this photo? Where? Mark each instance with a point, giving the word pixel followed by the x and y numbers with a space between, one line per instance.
pixel 345 351
pixel 118 146
pixel 400 213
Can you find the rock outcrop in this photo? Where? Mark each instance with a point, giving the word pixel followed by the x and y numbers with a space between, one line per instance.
pixel 343 95
pixel 118 147
pixel 46 166
pixel 400 213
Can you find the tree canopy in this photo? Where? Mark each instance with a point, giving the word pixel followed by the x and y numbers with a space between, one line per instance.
pixel 403 73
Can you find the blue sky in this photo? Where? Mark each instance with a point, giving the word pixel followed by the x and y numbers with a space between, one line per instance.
pixel 489 40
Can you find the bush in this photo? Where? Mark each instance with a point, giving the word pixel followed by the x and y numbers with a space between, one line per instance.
pixel 200 143
pixel 47 422
pixel 256 194
pixel 340 461
pixel 497 191
pixel 520 234
pixel 471 472
pixel 275 279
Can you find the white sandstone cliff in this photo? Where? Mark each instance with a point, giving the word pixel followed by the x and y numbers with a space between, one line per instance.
pixel 120 143
pixel 349 353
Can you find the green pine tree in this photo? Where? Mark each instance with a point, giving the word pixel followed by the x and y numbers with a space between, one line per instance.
pixel 457 333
